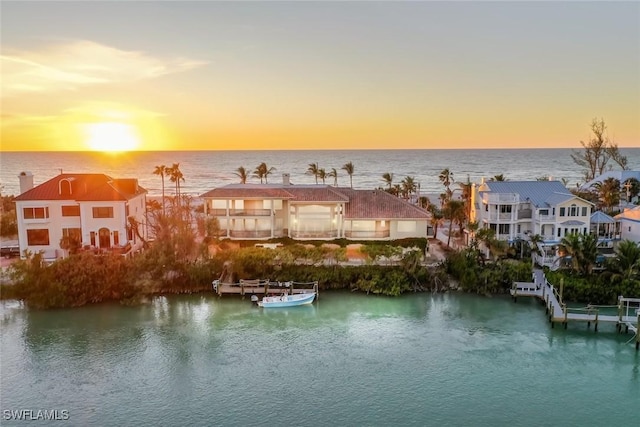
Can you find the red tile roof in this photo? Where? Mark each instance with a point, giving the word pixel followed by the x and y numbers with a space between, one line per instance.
pixel 84 187
pixel 378 204
pixel 248 191
pixel 316 194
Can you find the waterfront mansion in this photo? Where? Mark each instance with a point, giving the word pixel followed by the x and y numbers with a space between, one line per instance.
pixel 264 211
pixel 518 209
pixel 89 210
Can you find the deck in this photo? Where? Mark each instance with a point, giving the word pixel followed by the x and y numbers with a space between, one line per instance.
pixel 628 309
pixel 264 287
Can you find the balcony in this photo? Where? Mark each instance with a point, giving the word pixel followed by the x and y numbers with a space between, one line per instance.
pixel 524 214
pixel 501 198
pixel 329 234
pixel 364 234
pixel 547 218
pixel 250 234
pixel 240 212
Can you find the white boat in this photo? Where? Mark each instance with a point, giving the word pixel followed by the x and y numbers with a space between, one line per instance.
pixel 287 300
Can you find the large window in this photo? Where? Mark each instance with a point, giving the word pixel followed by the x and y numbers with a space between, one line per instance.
pixel 72 233
pixel 407 226
pixel 71 210
pixel 574 210
pixel 584 211
pixel 35 213
pixel 503 229
pixel 562 210
pixel 103 212
pixel 38 237
pixel 505 208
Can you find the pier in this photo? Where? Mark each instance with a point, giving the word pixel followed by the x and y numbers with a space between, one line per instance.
pixel 264 287
pixel 628 309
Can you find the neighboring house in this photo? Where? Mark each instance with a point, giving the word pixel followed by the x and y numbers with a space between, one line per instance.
pixel 629 223
pixel 264 211
pixel 518 209
pixel 621 176
pixel 90 210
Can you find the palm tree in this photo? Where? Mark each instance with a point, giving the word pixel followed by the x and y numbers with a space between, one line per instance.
pixel 313 170
pixel 409 186
pixel 333 174
pixel 627 260
pixel 262 171
pixel 175 175
pixel 322 174
pixel 453 212
pixel 446 178
pixel 608 193
pixel 534 243
pixel 499 177
pixel 570 245
pixel 466 188
pixel 161 170
pixel 387 177
pixel 436 218
pixel 242 173
pixel 348 167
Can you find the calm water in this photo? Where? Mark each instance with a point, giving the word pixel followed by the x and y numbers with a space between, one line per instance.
pixel 349 360
pixel 204 170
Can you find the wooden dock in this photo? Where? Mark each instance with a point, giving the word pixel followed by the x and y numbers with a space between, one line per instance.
pixel 628 309
pixel 264 287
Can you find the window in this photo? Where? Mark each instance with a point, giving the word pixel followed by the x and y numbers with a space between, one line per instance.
pixel 544 212
pixel 35 213
pixel 584 211
pixel 562 211
pixel 519 228
pixel 505 208
pixel 116 238
pixel 71 210
pixel 559 231
pixel 103 212
pixel 38 237
pixel 573 210
pixel 503 229
pixel 93 238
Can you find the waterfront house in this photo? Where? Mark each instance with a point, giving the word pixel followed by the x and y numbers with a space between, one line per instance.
pixel 629 224
pixel 515 210
pixel 89 211
pixel 304 212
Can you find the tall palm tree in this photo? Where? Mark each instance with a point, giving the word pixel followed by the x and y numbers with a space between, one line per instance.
pixel 534 243
pixel 436 218
pixel 333 174
pixel 387 177
pixel 627 260
pixel 348 167
pixel 446 178
pixel 453 212
pixel 161 170
pixel 242 173
pixel 608 193
pixel 466 189
pixel 313 170
pixel 322 174
pixel 409 186
pixel 570 245
pixel 262 171
pixel 175 175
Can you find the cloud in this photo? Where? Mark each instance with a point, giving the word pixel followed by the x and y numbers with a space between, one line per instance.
pixel 82 63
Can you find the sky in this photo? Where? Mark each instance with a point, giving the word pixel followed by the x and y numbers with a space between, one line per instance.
pixel 162 75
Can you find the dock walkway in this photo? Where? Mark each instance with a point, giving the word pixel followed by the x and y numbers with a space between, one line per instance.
pixel 264 287
pixel 628 309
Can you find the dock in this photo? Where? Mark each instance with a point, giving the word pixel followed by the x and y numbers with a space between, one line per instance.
pixel 264 287
pixel 628 309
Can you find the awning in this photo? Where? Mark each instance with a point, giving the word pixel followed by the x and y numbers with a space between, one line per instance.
pixel 572 222
pixel 601 218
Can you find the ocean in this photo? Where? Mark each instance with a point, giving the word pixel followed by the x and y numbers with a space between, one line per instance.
pixel 204 170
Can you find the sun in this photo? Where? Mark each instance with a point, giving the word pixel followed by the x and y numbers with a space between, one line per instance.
pixel 111 136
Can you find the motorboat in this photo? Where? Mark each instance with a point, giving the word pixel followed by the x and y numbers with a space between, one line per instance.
pixel 287 300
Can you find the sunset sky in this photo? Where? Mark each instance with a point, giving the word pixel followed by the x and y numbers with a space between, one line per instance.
pixel 306 75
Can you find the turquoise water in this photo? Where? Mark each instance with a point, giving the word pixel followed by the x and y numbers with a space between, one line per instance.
pixel 350 359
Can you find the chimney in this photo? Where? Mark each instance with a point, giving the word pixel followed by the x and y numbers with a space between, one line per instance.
pixel 550 177
pixel 482 181
pixel 26 181
pixel 285 179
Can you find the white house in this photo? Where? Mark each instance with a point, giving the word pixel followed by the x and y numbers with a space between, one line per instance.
pixel 92 209
pixel 518 209
pixel 263 211
pixel 629 221
pixel 623 176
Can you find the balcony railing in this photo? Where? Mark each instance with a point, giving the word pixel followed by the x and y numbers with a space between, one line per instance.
pixel 524 214
pixel 550 218
pixel 240 212
pixel 501 198
pixel 249 234
pixel 329 234
pixel 363 234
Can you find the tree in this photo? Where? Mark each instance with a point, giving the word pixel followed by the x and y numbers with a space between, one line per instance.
pixel 608 193
pixel 348 167
pixel 262 171
pixel 534 242
pixel 175 175
pixel 313 170
pixel 387 177
pixel 409 186
pixel 582 249
pixel 597 152
pixel 631 188
pixel 436 217
pixel 333 174
pixel 454 211
pixel 242 173
pixel 446 178
pixel 499 177
pixel 161 170
pixel 322 174
pixel 627 260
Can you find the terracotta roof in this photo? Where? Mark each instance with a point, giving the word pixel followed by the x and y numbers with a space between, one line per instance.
pixel 378 204
pixel 84 187
pixel 248 191
pixel 316 193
